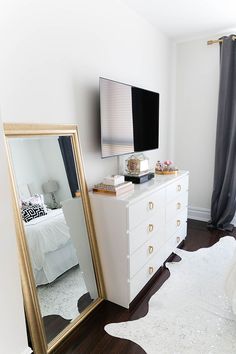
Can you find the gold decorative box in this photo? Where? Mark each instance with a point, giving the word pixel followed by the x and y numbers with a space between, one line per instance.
pixel 166 172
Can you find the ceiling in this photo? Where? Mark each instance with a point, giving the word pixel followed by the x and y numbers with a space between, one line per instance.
pixel 187 19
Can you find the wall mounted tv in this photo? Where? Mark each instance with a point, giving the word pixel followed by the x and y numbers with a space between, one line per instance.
pixel 129 118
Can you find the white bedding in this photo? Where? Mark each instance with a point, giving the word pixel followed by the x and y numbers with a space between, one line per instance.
pixel 46 234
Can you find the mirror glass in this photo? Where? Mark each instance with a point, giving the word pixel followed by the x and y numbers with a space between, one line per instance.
pixel 50 204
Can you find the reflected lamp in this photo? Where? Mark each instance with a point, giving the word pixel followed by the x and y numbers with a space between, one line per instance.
pixel 51 187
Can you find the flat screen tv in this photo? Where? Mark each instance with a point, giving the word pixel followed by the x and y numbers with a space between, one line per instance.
pixel 129 118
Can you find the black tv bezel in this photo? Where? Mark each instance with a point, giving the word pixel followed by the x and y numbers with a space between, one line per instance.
pixel 122 83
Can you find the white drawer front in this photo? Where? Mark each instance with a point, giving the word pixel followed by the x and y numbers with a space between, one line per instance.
pixel 145 231
pixel 144 275
pixel 176 224
pixel 145 208
pixel 149 269
pixel 180 235
pixel 176 188
pixel 144 253
pixel 177 206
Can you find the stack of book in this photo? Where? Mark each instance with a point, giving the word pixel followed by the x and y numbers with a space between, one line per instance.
pixel 116 190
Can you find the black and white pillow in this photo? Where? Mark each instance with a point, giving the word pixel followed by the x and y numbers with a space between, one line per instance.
pixel 35 199
pixel 30 212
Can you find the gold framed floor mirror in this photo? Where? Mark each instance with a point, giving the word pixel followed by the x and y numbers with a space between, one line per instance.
pixel 59 262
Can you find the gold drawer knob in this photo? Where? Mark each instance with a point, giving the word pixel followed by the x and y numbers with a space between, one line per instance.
pixel 150 227
pixel 178 205
pixel 178 239
pixel 179 188
pixel 150 270
pixel 150 249
pixel 178 222
pixel 150 205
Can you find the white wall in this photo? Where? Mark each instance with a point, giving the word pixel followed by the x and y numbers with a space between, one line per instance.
pixel 55 167
pixel 197 85
pixel 12 323
pixel 28 163
pixel 52 54
pixel 36 161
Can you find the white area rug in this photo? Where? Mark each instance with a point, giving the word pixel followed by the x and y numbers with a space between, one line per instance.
pixel 190 313
pixel 61 296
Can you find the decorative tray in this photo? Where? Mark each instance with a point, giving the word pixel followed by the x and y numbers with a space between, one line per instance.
pixel 166 172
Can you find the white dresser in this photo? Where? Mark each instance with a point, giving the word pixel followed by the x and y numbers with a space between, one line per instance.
pixel 138 231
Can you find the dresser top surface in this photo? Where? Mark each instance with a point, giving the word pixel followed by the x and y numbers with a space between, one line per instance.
pixel 140 190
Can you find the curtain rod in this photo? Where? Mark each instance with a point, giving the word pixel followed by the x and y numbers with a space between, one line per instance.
pixel 213 41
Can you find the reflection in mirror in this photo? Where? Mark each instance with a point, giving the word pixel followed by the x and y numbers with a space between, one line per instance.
pixel 51 207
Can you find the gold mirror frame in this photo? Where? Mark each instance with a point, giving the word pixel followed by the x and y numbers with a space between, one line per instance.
pixel 31 303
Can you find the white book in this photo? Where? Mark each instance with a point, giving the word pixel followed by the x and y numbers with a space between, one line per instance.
pixel 113 180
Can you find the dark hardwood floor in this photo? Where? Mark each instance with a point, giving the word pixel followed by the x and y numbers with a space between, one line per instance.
pixel 90 337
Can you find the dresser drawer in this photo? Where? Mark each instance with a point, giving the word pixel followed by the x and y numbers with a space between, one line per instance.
pixel 180 234
pixel 176 188
pixel 144 232
pixel 145 208
pixel 144 275
pixel 149 269
pixel 176 206
pixel 144 253
pixel 177 223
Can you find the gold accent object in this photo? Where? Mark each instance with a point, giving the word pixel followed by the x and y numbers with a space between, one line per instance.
pixel 179 188
pixel 166 172
pixel 150 227
pixel 77 194
pixel 150 270
pixel 31 302
pixel 213 41
pixel 178 205
pixel 150 249
pixel 178 239
pixel 178 222
pixel 150 205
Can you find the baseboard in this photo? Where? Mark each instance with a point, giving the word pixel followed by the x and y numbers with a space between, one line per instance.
pixel 202 214
pixel 27 350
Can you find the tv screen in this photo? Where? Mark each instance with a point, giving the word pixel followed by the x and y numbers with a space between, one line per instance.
pixel 129 118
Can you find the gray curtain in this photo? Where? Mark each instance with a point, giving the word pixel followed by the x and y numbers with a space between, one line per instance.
pixel 223 203
pixel 69 162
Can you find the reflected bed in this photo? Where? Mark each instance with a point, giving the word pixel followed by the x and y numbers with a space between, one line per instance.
pixel 50 246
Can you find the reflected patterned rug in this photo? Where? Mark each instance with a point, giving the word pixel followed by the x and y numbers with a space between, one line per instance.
pixel 61 296
pixel 190 313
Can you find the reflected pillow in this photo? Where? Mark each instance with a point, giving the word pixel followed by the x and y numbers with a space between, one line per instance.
pixel 30 212
pixel 36 199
